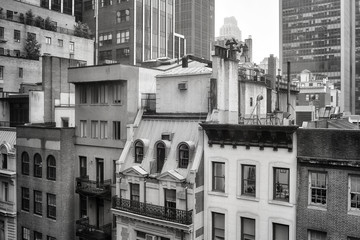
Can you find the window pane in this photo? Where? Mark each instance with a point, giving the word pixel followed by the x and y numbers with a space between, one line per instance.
pixel 247 229
pixel 219 177
pixel 218 222
pixel 249 180
pixel 281 184
pixel 280 231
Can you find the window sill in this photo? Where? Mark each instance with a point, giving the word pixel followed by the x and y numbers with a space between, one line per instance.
pixel 354 212
pixel 248 198
pixel 281 203
pixel 317 207
pixel 51 219
pixel 220 194
pixel 37 215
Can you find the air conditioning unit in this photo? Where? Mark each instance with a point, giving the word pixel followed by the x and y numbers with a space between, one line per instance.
pixel 151 237
pixel 166 136
pixel 182 86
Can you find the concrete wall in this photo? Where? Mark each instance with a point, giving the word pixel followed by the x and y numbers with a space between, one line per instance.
pixel 169 99
pixel 65 112
pixel 262 208
pixel 36 106
pixel 249 90
pixel 59 143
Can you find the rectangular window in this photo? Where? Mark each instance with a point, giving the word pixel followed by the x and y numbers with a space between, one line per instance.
pixel 103 93
pixel 1 33
pixel 25 199
pixel 83 206
pixel 21 72
pixel 117 93
pixel 2 229
pixel 103 130
pixel 51 206
pixel 83 166
pixel 280 231
pixel 134 192
pixel 218 177
pixel 122 53
pixel 355 192
pixel 117 130
pixel 316 235
pixel 16 35
pixel 4 161
pixel 247 229
pixel 25 233
pixel 83 126
pixel 37 202
pixel 1 72
pixel 37 235
pixel 83 94
pixel 50 238
pixel 94 94
pixel 17 53
pixel 2 51
pixel 248 180
pixel 122 36
pixel 60 42
pixel 123 16
pixel 218 226
pixel 48 40
pixel 5 195
pixel 281 184
pixel 318 187
pixel 72 46
pixel 307 97
pixel 105 39
pixel 9 14
pixel 94 129
pixel 170 203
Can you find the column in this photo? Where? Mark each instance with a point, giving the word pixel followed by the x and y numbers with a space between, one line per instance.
pixel 62 6
pixel 73 8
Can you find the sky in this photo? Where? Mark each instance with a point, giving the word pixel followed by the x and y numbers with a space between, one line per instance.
pixel 258 18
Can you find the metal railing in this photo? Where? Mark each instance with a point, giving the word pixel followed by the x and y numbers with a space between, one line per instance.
pixel 154 211
pixel 91 187
pixel 83 227
pixel 7 206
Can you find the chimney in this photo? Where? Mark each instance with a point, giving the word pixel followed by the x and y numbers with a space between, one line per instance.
pixel 225 71
pixel 184 62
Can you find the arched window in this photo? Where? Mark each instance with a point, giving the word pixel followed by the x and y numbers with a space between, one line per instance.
pixel 160 156
pixel 37 166
pixel 25 163
pixel 183 156
pixel 139 151
pixel 51 168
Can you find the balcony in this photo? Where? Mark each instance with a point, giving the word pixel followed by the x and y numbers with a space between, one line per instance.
pixel 92 188
pixel 7 208
pixel 91 232
pixel 153 211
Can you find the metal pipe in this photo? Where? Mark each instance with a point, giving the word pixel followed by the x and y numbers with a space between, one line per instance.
pixel 277 91
pixel 288 87
pixel 144 190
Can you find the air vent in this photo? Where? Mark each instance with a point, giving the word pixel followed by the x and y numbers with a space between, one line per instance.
pixel 182 86
pixel 166 136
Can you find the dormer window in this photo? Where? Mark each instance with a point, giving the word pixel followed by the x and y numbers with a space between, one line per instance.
pixel 160 156
pixel 183 156
pixel 4 161
pixel 139 151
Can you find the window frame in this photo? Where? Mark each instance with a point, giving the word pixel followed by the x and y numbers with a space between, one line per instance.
pixel 117 93
pixel 51 168
pixel 214 227
pixel 83 128
pixel 38 202
pixel 215 177
pixel 246 236
pixel 123 36
pixel 183 155
pixel 21 72
pixel 311 188
pixel 279 224
pixel 37 235
pixel 122 16
pixel 160 156
pixel 311 232
pixel 94 129
pixel 279 186
pixel 17 35
pixel 51 205
pixel 134 195
pixel 25 233
pixel 139 151
pixel 83 94
pixel 2 72
pixel 244 191
pixel 103 133
pixel 117 130
pixel 83 166
pixel 4 161
pixel 83 202
pixel 25 164
pixel 72 46
pixel 25 199
pixel 5 186
pixel 356 193
pixel 48 40
pixel 37 165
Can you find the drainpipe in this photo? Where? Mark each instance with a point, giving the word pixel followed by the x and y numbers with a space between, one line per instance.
pixel 288 87
pixel 144 194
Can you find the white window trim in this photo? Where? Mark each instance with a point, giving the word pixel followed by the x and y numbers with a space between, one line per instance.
pixel 210 178
pixel 239 180
pixel 352 211
pixel 314 205
pixel 240 215
pixel 292 184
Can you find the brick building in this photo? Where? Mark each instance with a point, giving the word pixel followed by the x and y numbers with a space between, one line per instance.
pixel 45 189
pixel 328 184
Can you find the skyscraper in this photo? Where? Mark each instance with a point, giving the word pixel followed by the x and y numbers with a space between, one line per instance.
pixel 133 31
pixel 196 21
pixel 319 36
pixel 230 29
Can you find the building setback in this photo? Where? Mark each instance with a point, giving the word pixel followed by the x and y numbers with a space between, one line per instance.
pixel 134 31
pixel 196 21
pixel 328 184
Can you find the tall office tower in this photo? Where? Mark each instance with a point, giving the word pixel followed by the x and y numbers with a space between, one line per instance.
pixel 70 7
pixel 133 31
pixel 196 21
pixel 319 36
pixel 230 29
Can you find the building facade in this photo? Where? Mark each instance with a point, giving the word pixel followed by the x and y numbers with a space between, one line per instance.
pixel 135 31
pixel 322 37
pixel 8 202
pixel 196 21
pixel 328 179
pixel 107 98
pixel 45 182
